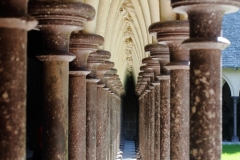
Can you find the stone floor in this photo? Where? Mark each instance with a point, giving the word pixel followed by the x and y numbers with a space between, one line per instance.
pixel 129 151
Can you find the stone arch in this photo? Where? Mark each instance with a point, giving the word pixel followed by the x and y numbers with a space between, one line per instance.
pixel 229 84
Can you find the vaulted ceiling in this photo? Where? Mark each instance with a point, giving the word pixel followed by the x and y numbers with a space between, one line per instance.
pixel 124 26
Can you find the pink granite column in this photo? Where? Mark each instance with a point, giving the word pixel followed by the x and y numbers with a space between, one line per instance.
pixel 106 78
pixel 81 45
pixel 142 107
pixel 147 152
pixel 101 109
pixel 111 82
pixel 57 19
pixel 161 53
pixel 140 119
pixel 155 66
pixel 173 33
pixel 156 54
pixel 108 148
pixel 115 126
pixel 14 24
pixel 205 46
pixel 118 119
pixel 149 73
pixel 164 78
pixel 94 60
pixel 119 113
pixel 144 82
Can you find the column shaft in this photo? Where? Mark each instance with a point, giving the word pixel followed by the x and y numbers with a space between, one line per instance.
pixel 179 119
pixel 108 126
pixel 13 93
pixel 14 24
pixel 165 119
pixel 141 126
pixel 151 114
pixel 105 126
pixel 205 96
pixel 147 127
pixel 157 124
pixel 91 119
pixel 235 137
pixel 77 117
pixel 55 109
pixel 112 127
pixel 100 116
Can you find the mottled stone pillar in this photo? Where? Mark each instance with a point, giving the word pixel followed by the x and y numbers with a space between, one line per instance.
pixel 159 55
pixel 164 117
pixel 235 138
pixel 147 152
pixel 57 19
pixel 155 66
pixel 108 141
pixel 142 107
pixel 173 33
pixel 205 46
pixel 111 83
pixel 94 60
pixel 14 24
pixel 119 113
pixel 148 73
pixel 101 109
pixel 106 80
pixel 81 45
pixel 140 120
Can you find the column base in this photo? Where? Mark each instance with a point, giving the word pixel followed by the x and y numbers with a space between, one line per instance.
pixel 235 139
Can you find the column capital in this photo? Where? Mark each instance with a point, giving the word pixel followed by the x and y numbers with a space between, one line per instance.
pixel 94 60
pixel 173 33
pixel 73 14
pixel 105 66
pixel 57 20
pixel 198 12
pixel 81 45
pixel 159 52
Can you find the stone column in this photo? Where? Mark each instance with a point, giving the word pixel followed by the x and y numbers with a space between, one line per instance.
pixel 147 153
pixel 101 109
pixel 115 126
pixel 235 138
pixel 150 107
pixel 94 59
pixel 108 149
pixel 140 132
pixel 173 33
pixel 142 129
pixel 14 24
pixel 81 45
pixel 56 26
pixel 205 46
pixel 111 84
pixel 161 53
pixel 106 78
pixel 155 66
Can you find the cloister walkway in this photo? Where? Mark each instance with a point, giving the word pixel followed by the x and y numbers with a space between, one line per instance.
pixel 129 152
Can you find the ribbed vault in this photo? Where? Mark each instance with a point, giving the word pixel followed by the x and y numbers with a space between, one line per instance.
pixel 124 26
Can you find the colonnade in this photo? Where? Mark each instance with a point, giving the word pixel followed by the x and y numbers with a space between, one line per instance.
pixel 82 92
pixel 185 111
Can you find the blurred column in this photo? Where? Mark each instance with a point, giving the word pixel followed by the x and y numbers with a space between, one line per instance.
pixel 205 45
pixel 14 24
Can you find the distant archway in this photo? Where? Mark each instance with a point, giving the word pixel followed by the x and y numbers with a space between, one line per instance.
pixel 227 113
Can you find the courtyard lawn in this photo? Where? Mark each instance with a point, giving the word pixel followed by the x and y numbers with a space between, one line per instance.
pixel 231 152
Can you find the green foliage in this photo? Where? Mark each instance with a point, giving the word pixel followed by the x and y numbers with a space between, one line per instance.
pixel 231 152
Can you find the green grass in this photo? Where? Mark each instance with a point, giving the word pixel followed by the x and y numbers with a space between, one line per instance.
pixel 231 152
